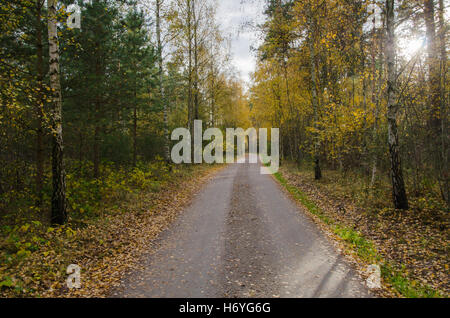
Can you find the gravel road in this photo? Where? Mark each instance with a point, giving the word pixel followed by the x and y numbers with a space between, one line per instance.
pixel 243 237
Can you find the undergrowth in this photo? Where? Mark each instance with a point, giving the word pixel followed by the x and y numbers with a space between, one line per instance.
pixel 364 248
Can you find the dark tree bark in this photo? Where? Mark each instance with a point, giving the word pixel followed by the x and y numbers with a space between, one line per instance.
pixel 444 140
pixel 39 105
pixel 398 184
pixel 97 129
pixel 374 96
pixel 315 102
pixel 189 38
pixel 196 90
pixel 97 141
pixel 135 124
pixel 161 84
pixel 434 84
pixel 59 213
pixel 433 66
pixel 196 48
pixel 191 105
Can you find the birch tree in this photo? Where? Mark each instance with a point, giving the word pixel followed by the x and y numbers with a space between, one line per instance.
pixel 398 184
pixel 59 214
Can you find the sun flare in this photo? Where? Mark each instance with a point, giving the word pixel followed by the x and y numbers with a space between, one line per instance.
pixel 409 48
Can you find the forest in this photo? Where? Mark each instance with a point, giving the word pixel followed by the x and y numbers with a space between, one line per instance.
pixel 86 114
pixel 330 77
pixel 358 88
pixel 118 92
pixel 360 92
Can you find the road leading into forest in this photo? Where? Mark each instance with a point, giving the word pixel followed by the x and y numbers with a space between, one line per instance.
pixel 243 237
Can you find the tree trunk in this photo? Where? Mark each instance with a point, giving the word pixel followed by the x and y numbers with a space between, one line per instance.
pixel 59 213
pixel 434 83
pixel 315 103
pixel 444 174
pixel 135 121
pixel 433 65
pixel 80 151
pixel 212 96
pixel 97 115
pixel 39 106
pixel 191 110
pixel 376 92
pixel 96 151
pixel 161 85
pixel 189 38
pixel 196 48
pixel 398 185
pixel 374 102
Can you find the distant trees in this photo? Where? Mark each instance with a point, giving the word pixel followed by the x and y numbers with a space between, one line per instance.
pixel 59 213
pixel 196 41
pixel 398 185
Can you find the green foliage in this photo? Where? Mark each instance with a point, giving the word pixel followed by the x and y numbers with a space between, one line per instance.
pixel 336 50
pixel 114 132
pixel 34 254
pixel 85 196
pixel 405 286
pixel 364 249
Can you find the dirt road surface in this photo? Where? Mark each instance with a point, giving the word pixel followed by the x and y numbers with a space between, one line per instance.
pixel 242 236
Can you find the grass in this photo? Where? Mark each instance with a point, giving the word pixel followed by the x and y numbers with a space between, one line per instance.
pixel 104 216
pixel 398 280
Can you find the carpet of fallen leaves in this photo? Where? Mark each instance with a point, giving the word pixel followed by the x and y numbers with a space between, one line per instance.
pixel 105 248
pixel 415 240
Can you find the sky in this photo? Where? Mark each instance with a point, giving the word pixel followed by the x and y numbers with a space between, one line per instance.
pixel 234 15
pixel 236 18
